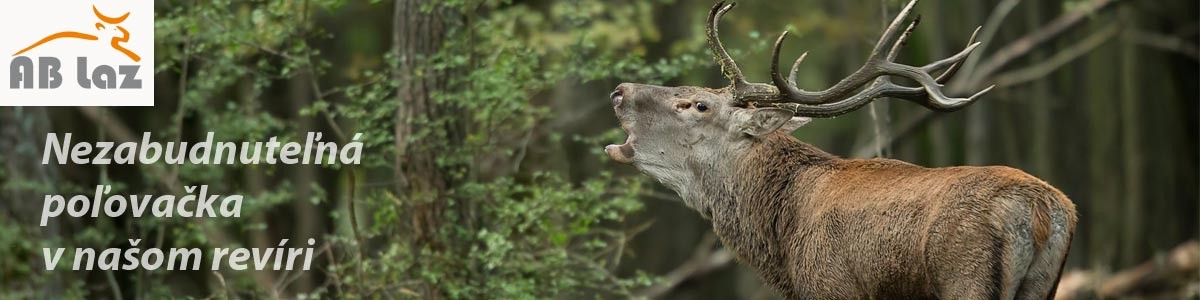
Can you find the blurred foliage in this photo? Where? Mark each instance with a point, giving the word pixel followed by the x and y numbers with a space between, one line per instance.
pixel 535 235
pixel 532 212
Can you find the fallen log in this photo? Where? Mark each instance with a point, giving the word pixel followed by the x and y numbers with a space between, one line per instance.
pixel 1172 275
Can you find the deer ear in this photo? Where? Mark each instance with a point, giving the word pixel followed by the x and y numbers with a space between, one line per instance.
pixel 795 123
pixel 760 121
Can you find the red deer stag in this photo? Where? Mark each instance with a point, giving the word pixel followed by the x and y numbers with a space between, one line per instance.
pixel 816 226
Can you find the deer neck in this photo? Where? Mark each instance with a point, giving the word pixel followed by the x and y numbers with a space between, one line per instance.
pixel 760 192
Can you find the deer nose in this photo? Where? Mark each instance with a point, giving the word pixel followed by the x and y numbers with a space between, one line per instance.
pixel 618 95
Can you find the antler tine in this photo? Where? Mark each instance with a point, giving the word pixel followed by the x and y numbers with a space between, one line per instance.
pixel 903 40
pixel 881 86
pixel 920 96
pixel 833 109
pixel 893 36
pixel 787 88
pixel 864 75
pixel 928 94
pixel 945 77
pixel 728 66
pixel 742 90
pixel 796 68
pixel 885 89
pixel 841 97
pixel 954 61
pixel 775 76
pixel 932 86
pixel 879 66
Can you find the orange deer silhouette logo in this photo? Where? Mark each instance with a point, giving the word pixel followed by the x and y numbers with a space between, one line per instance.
pixel 115 42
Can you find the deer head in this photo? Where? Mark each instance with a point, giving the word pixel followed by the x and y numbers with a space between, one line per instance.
pixel 677 134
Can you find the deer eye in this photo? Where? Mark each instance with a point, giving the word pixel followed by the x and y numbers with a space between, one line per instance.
pixel 701 107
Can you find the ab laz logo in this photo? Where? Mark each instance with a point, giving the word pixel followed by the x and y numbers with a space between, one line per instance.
pixel 77 53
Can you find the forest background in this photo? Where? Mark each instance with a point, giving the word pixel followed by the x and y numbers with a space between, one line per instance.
pixel 483 178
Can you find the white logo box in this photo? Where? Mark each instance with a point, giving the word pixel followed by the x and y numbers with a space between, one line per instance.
pixel 28 22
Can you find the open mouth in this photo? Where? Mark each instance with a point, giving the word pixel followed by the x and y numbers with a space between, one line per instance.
pixel 622 153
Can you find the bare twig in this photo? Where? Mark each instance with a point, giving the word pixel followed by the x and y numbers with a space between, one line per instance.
pixel 917 120
pixel 113 126
pixel 224 287
pixel 622 238
pixel 291 276
pixel 1022 46
pixel 524 148
pixel 112 284
pixel 1059 59
pixel 333 275
pixel 121 132
pixel 1163 42
pixel 990 27
pixel 881 132
pixel 704 259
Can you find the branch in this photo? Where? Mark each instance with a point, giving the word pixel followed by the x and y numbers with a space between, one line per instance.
pixel 1164 42
pixel 995 62
pixel 121 132
pixel 103 117
pixel 704 259
pixel 990 27
pixel 1022 46
pixel 1059 59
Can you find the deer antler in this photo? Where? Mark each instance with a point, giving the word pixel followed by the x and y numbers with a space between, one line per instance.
pixel 838 99
pixel 742 90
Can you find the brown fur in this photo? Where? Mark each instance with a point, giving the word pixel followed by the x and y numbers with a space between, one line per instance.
pixel 1041 222
pixel 818 226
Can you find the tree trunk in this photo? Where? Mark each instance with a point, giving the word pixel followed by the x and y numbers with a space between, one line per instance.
pixel 420 181
pixel 1040 106
pixel 1103 216
pixel 415 37
pixel 310 222
pixel 1133 236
